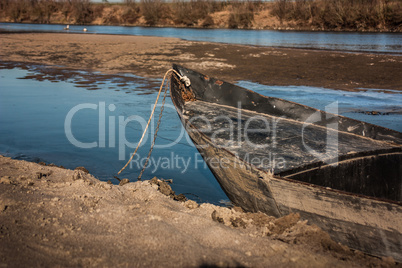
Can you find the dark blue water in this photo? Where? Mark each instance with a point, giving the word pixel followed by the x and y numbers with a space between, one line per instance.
pixel 346 41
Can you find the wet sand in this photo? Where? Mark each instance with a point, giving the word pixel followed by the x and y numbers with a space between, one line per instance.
pixel 152 56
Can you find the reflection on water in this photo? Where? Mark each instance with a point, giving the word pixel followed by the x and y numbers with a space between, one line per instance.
pixel 35 103
pixel 350 41
pixel 379 107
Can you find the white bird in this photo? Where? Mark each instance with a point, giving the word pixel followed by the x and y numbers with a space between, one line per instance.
pixel 67 27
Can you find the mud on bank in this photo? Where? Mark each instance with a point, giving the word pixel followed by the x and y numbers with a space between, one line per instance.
pixel 152 56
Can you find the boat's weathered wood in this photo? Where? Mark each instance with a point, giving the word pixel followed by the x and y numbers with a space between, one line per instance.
pixel 243 180
pixel 363 210
pixel 277 144
pixel 376 175
pixel 370 225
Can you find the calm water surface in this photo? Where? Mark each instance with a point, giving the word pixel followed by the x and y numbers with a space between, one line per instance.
pixel 39 106
pixel 347 41
pixel 33 118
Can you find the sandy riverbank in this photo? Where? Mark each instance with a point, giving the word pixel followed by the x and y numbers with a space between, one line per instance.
pixel 51 216
pixel 152 56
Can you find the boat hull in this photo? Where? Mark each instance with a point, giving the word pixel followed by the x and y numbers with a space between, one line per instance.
pixel 361 222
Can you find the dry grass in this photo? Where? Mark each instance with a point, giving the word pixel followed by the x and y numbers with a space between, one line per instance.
pixel 189 13
pixel 242 15
pixel 340 14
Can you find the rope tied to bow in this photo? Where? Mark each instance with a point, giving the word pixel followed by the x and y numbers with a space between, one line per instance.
pixel 186 81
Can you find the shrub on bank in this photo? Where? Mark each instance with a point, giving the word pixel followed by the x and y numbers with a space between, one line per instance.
pixel 153 11
pixel 194 12
pixel 242 15
pixel 131 14
pixel 82 11
pixel 208 22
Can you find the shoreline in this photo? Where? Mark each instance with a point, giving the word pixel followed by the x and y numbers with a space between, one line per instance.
pixel 150 56
pixel 284 29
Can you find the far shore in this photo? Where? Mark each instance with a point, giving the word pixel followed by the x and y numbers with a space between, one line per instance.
pixel 317 15
pixel 153 56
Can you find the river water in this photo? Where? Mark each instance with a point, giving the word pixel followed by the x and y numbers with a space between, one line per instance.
pixel 345 41
pixel 38 110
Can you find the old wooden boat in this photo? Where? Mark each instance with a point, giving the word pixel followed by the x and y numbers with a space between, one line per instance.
pixel 280 157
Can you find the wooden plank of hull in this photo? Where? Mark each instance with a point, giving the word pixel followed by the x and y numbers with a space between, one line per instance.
pixel 239 180
pixel 370 225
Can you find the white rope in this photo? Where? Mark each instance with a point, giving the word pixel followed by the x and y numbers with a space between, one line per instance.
pixel 186 81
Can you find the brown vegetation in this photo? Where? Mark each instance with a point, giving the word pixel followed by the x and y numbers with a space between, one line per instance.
pixel 351 15
pixel 341 14
pixel 194 12
pixel 242 14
